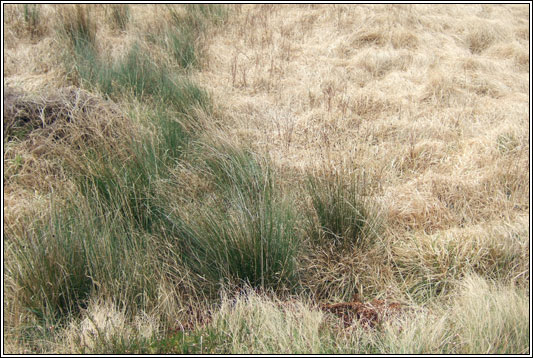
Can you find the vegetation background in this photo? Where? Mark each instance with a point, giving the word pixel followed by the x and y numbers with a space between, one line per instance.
pixel 214 178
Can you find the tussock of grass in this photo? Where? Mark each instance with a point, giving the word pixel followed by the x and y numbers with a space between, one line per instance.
pixel 256 324
pixel 135 74
pixel 83 249
pixel 346 217
pixel 432 264
pixel 104 328
pixel 483 317
pixel 182 47
pixel 46 133
pixel 248 234
pixel 68 115
pixel 183 36
pixel 491 319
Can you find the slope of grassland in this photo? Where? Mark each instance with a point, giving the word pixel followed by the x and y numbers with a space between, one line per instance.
pixel 215 178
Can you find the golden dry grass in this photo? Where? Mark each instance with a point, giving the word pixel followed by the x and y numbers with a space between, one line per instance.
pixel 429 103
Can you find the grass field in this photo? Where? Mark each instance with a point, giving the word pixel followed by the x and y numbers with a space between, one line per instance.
pixel 318 179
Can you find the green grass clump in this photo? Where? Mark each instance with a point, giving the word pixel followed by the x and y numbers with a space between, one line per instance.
pixel 199 341
pixel 180 42
pixel 195 342
pixel 100 241
pixel 49 267
pixel 82 249
pixel 128 185
pixel 345 216
pixel 246 234
pixel 136 75
pixel 206 12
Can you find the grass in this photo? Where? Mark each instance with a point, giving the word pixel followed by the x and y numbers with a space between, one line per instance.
pixel 432 264
pixel 183 35
pixel 107 222
pixel 480 319
pixel 32 18
pixel 137 76
pixel 120 15
pixel 77 25
pixel 248 234
pixel 178 204
pixel 83 249
pixel 346 218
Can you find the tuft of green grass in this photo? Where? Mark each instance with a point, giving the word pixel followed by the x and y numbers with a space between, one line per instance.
pixel 199 341
pixel 345 216
pixel 507 143
pixel 82 249
pixel 137 76
pixel 129 186
pixel 202 13
pixel 49 269
pixel 183 38
pixel 246 234
pixel 101 240
pixel 181 43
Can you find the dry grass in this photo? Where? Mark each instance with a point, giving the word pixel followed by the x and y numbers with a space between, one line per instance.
pixel 428 103
pixel 424 99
